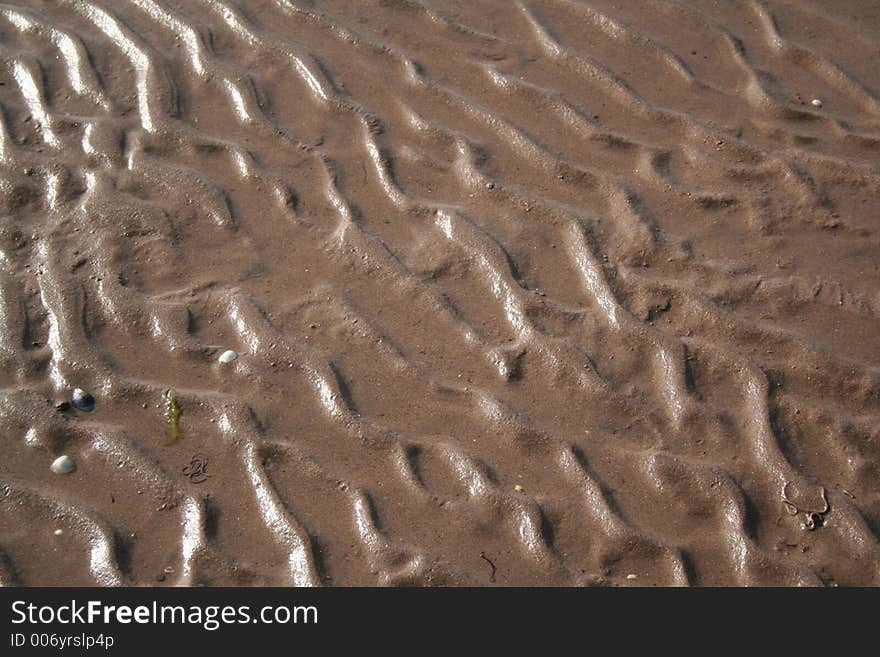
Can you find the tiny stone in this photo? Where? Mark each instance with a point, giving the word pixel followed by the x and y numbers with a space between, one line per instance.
pixel 632 576
pixel 816 102
pixel 59 532
pixel 82 400
pixel 63 465
pixel 518 488
pixel 228 356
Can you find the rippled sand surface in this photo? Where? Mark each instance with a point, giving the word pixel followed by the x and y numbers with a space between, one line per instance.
pixel 523 292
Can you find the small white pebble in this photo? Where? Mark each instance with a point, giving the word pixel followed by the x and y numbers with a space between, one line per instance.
pixel 59 532
pixel 63 465
pixel 518 488
pixel 228 356
pixel 632 576
pixel 816 102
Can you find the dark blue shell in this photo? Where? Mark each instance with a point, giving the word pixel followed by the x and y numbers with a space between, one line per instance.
pixel 82 401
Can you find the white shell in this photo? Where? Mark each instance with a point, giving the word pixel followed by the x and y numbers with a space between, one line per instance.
pixel 228 356
pixel 63 465
pixel 816 102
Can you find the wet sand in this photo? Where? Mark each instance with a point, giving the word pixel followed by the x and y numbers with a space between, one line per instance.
pixel 522 292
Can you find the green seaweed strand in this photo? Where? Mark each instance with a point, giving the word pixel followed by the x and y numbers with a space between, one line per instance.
pixel 172 414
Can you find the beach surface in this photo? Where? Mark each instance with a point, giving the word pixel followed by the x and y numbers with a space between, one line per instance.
pixel 440 292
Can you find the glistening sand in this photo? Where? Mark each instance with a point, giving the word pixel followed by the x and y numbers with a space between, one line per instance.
pixel 533 293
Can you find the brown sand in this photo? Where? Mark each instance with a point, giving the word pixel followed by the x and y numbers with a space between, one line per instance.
pixel 524 292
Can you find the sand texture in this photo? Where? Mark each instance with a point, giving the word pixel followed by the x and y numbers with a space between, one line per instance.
pixel 520 292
